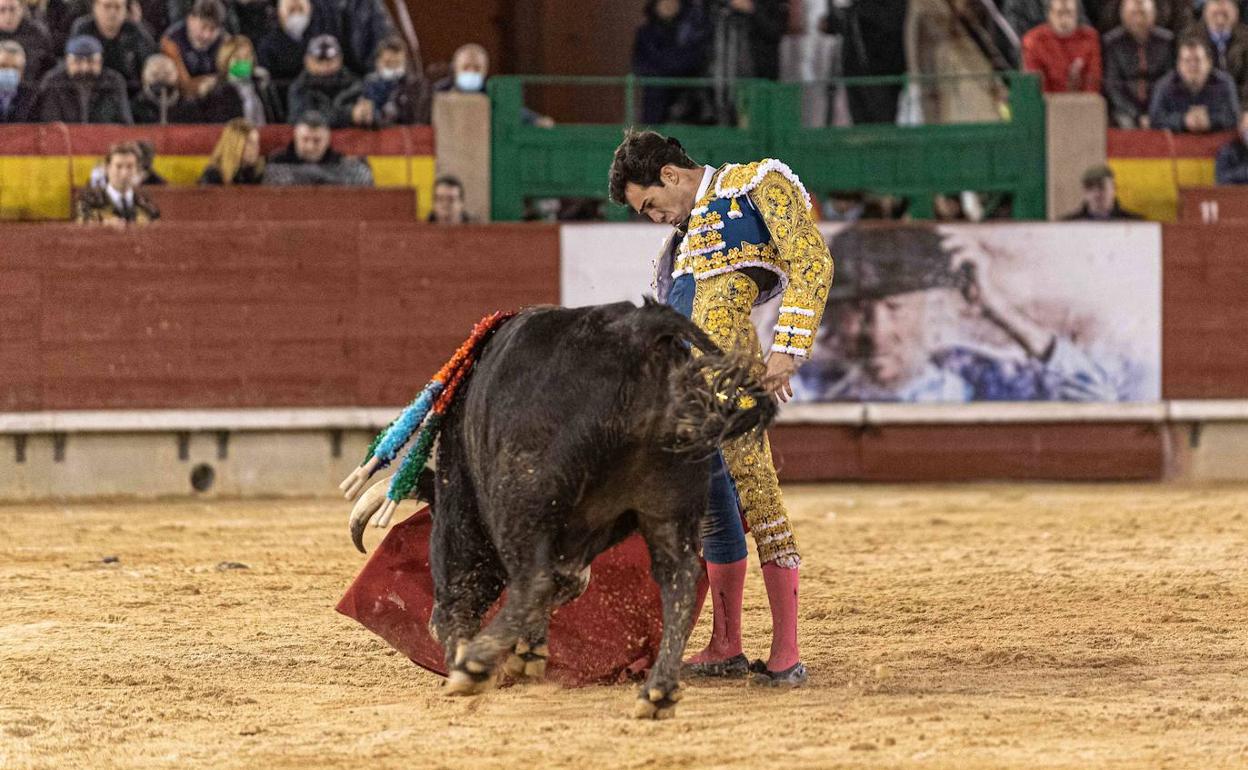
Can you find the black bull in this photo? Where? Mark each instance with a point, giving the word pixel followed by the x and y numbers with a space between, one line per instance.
pixel 577 428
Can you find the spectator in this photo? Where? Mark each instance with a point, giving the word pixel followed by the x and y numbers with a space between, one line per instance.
pixel 393 93
pixel 149 14
pixel 1226 38
pixel 120 202
pixel 126 44
pixel 1137 55
pixel 1067 55
pixel 1026 15
pixel 242 17
pixel 236 159
pixel 470 67
pixel 1194 97
pixel 81 90
pixel 17 97
pixel 366 23
pixel 673 42
pixel 1232 163
pixel 310 160
pixel 325 86
pixel 1100 198
pixel 872 34
pixel 160 101
pixel 448 202
pixel 33 38
pixel 245 90
pixel 193 44
pixel 57 16
pixel 147 175
pixel 281 50
pixel 747 37
pixel 937 43
pixel 1172 15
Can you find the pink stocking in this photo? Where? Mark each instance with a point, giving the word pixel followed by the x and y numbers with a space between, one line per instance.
pixel 727 589
pixel 781 585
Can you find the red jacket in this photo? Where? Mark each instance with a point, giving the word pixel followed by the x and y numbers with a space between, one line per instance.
pixel 1052 56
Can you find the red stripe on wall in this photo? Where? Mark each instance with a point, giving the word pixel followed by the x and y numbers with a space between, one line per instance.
pixel 1120 143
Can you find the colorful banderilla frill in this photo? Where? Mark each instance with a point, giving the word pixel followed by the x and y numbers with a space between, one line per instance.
pixel 427 411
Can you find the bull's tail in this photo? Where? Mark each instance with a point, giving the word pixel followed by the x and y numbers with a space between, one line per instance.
pixel 427 411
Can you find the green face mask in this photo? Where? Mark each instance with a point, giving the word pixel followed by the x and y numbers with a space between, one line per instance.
pixel 241 69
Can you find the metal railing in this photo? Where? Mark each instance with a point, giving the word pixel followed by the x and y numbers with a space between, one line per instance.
pixel 917 162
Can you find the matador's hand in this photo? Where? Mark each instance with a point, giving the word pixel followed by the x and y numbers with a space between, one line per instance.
pixel 780 369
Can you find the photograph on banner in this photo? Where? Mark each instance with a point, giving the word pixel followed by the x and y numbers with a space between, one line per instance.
pixel 946 313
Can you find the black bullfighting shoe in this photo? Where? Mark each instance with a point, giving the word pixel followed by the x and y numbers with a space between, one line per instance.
pixel 793 676
pixel 736 667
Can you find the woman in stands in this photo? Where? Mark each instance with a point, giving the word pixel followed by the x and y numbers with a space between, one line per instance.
pixel 236 159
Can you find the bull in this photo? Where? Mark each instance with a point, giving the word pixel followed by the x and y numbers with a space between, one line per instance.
pixel 577 428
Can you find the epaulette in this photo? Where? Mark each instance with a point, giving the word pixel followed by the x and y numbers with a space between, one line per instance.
pixel 737 179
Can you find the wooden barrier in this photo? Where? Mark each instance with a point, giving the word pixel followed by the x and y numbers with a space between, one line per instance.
pixel 1204 312
pixel 251 314
pixel 1211 205
pixel 284 204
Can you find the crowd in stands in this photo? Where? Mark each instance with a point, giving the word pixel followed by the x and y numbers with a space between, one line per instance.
pixel 1176 64
pixel 207 61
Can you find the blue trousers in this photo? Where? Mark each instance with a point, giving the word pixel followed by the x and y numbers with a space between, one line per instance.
pixel 723 537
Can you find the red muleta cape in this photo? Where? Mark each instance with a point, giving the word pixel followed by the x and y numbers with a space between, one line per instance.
pixel 609 634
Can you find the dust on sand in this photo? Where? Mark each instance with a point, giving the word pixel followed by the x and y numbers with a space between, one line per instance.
pixel 952 627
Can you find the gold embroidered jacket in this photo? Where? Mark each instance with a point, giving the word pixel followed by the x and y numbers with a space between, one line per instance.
pixel 757 215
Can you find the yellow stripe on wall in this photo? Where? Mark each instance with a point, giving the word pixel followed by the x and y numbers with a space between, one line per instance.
pixel 1150 186
pixel 38 187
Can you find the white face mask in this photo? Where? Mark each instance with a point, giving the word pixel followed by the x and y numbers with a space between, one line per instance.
pixel 9 78
pixel 388 73
pixel 469 81
pixel 296 24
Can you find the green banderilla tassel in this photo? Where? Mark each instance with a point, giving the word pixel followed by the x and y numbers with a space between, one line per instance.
pixel 404 481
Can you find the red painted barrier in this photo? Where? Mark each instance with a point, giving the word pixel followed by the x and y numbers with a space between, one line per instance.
pixel 65 139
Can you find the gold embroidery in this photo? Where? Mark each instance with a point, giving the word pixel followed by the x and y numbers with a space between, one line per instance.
pixel 800 253
pixel 721 308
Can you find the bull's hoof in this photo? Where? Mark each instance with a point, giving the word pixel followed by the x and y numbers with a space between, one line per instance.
pixel 466 681
pixel 527 662
pixel 654 703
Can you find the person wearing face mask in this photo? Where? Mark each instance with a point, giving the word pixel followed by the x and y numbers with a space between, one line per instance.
pixel 17 99
pixel 325 86
pixel 281 50
pixel 393 93
pixel 126 44
pixel 245 89
pixel 33 38
pixel 470 68
pixel 160 101
pixel 81 90
pixel 193 44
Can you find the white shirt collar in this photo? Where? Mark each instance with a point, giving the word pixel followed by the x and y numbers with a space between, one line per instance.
pixel 120 200
pixel 706 182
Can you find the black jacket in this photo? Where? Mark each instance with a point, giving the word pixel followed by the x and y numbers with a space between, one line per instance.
pixel 37 43
pixel 244 175
pixel 332 96
pixel 1118 213
pixel 1132 70
pixel 21 107
pixel 123 54
pixel 103 100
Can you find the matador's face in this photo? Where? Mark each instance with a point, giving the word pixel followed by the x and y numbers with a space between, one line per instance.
pixel 668 202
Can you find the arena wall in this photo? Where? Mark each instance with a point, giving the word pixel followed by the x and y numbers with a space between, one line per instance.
pixel 186 335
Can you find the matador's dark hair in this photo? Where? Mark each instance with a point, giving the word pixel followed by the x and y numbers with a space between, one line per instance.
pixel 640 157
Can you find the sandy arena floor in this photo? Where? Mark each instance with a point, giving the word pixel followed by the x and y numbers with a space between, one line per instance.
pixel 952 627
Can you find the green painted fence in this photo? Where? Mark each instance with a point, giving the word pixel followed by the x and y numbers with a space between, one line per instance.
pixel 916 162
